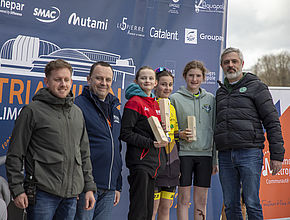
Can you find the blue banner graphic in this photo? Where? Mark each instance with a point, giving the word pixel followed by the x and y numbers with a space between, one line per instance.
pixel 127 34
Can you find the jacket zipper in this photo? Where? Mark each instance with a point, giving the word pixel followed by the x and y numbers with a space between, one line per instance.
pixel 113 148
pixel 155 174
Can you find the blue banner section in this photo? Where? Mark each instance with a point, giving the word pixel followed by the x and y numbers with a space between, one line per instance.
pixel 127 34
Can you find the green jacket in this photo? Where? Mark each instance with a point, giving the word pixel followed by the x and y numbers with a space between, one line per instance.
pixel 50 136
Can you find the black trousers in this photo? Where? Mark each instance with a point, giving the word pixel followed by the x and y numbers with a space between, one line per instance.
pixel 141 195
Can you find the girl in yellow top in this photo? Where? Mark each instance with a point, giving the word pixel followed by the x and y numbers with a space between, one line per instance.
pixel 168 180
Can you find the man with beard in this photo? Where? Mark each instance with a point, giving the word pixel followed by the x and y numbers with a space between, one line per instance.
pixel 244 107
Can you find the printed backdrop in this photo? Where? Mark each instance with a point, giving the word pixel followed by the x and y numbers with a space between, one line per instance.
pixel 127 34
pixel 274 190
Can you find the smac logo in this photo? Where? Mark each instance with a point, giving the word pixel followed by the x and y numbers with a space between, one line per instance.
pixel 190 36
pixel 11 8
pixel 203 6
pixel 46 15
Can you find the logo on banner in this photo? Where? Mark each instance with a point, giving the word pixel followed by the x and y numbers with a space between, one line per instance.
pixel 210 78
pixel 163 34
pixel 211 37
pixel 174 7
pixel 87 22
pixel 190 36
pixel 131 29
pixel 203 6
pixel 11 8
pixel 46 15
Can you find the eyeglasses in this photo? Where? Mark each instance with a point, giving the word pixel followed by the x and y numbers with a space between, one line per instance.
pixel 161 69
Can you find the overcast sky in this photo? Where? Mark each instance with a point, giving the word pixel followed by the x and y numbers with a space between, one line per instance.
pixel 258 27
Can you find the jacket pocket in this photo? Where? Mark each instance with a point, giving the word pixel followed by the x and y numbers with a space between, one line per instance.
pixel 78 176
pixel 79 159
pixel 48 170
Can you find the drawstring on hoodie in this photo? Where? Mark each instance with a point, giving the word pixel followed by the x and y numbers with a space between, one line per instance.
pixel 199 110
pixel 197 96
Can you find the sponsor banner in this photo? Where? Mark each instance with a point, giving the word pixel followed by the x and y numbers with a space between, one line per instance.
pixel 274 191
pixel 127 34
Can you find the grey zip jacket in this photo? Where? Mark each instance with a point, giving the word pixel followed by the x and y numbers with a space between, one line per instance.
pixel 51 138
pixel 203 108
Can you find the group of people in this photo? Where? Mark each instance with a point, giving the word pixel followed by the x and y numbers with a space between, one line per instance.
pixel 64 159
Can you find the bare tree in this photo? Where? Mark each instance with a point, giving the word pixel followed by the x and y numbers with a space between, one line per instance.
pixel 274 70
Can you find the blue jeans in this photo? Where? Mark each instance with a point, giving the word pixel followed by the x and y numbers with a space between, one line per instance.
pixel 49 206
pixel 102 209
pixel 241 168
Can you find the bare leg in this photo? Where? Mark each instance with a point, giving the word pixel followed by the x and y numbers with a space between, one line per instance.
pixel 155 208
pixel 183 202
pixel 164 209
pixel 200 199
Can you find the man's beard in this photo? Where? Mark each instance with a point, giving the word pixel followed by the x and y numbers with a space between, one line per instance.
pixel 233 75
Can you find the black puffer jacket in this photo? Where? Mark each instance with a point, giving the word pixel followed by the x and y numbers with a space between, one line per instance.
pixel 242 111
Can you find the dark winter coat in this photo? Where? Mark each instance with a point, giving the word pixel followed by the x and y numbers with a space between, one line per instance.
pixel 242 111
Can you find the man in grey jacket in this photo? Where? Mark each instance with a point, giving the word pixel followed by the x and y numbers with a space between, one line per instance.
pixel 50 140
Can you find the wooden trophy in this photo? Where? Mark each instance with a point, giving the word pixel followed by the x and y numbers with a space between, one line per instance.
pixel 164 105
pixel 191 124
pixel 157 129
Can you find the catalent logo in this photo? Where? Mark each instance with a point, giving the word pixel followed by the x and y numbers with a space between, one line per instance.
pixel 163 34
pixel 46 15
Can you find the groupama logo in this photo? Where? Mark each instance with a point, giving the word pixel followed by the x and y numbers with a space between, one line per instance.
pixel 46 15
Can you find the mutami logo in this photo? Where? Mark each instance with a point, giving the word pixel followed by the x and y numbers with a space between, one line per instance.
pixel 11 8
pixel 46 15
pixel 190 36
pixel 203 6
pixel 87 22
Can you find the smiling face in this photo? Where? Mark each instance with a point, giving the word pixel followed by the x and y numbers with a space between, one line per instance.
pixel 59 82
pixel 164 87
pixel 100 81
pixel 194 78
pixel 146 80
pixel 232 66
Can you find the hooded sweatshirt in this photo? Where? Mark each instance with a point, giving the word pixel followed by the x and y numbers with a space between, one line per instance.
pixel 203 108
pixel 137 133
